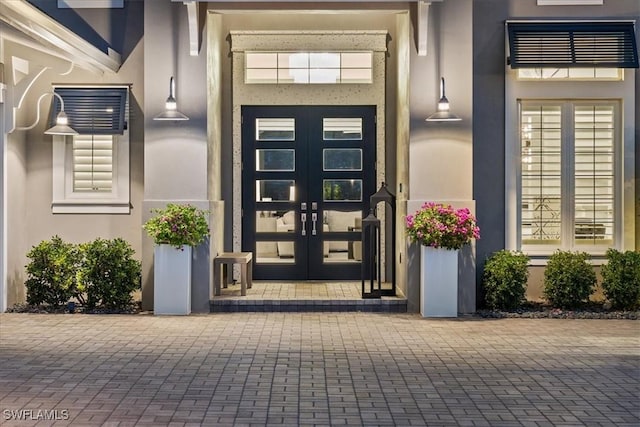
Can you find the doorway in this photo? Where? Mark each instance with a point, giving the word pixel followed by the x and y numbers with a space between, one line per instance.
pixel 307 175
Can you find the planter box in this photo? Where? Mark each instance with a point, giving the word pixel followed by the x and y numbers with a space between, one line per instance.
pixel 438 282
pixel 172 280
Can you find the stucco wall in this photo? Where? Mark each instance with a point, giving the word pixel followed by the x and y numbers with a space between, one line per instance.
pixel 29 161
pixel 440 153
pixel 175 153
pixel 489 103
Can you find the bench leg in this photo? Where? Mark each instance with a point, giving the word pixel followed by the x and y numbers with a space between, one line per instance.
pixel 216 278
pixel 243 280
pixel 225 275
pixel 249 274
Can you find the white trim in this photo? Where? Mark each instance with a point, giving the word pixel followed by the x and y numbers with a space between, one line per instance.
pixel 90 4
pixel 596 260
pixel 3 214
pixel 570 2
pixel 38 25
pixel 66 201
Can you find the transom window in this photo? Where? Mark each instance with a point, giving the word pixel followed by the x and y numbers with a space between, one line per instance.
pixel 559 74
pixel 568 174
pixel 308 67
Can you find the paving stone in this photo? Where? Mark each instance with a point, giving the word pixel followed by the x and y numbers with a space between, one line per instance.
pixel 319 369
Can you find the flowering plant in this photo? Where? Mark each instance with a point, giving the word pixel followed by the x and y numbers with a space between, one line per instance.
pixel 178 225
pixel 441 226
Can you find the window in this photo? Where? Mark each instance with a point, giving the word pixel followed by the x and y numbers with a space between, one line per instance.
pixel 559 74
pixel 568 153
pixel 308 67
pixel 91 170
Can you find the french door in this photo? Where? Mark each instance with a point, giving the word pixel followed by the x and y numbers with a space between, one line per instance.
pixel 307 175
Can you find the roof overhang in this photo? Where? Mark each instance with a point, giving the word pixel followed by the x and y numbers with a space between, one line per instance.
pixel 61 41
pixel 195 23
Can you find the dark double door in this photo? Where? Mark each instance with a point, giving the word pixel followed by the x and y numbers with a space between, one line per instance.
pixel 307 175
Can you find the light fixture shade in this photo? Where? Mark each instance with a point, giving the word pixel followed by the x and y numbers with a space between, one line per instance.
pixel 62 126
pixel 443 116
pixel 442 113
pixel 170 107
pixel 171 115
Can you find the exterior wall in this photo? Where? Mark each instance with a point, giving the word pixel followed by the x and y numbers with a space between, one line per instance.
pixel 489 105
pixel 441 154
pixel 29 163
pixel 16 231
pixel 175 153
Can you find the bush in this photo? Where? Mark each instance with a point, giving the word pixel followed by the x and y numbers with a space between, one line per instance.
pixel 505 279
pixel 621 279
pixel 51 274
pixel 569 279
pixel 103 270
pixel 109 273
pixel 178 225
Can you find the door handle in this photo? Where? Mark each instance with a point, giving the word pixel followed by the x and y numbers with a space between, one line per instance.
pixel 303 220
pixel 314 218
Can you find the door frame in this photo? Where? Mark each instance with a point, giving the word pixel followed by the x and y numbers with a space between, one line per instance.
pixel 274 94
pixel 309 262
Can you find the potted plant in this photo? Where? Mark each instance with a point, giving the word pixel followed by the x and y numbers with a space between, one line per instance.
pixel 175 231
pixel 441 231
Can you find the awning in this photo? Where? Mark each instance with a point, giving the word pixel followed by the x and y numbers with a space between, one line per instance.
pixel 562 44
pixel 92 110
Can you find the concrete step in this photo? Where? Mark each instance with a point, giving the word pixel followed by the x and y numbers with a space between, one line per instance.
pixel 382 305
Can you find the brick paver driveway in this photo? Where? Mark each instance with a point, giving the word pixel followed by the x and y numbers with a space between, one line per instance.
pixel 317 369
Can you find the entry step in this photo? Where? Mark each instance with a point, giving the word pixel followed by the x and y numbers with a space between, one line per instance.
pixel 382 305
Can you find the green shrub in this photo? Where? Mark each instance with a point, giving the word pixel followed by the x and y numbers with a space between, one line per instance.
pixel 109 273
pixel 505 279
pixel 569 279
pixel 621 279
pixel 51 274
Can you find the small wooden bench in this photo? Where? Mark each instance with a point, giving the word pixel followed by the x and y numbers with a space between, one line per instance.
pixel 245 259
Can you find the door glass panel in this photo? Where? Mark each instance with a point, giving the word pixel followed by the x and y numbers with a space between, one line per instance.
pixel 293 75
pixel 342 159
pixel 261 75
pixel 347 251
pixel 275 190
pixel 342 128
pixel 356 75
pixel 357 59
pixel 324 60
pixel 293 60
pixel 324 75
pixel 272 129
pixel 275 221
pixel 275 252
pixel 342 221
pixel 261 60
pixel 275 160
pixel 335 190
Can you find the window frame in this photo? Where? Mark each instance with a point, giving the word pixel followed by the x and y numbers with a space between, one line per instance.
pixel 568 175
pixel 67 201
pixel 309 68
pixel 621 91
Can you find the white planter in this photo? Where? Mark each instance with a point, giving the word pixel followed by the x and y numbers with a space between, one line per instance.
pixel 172 280
pixel 438 282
